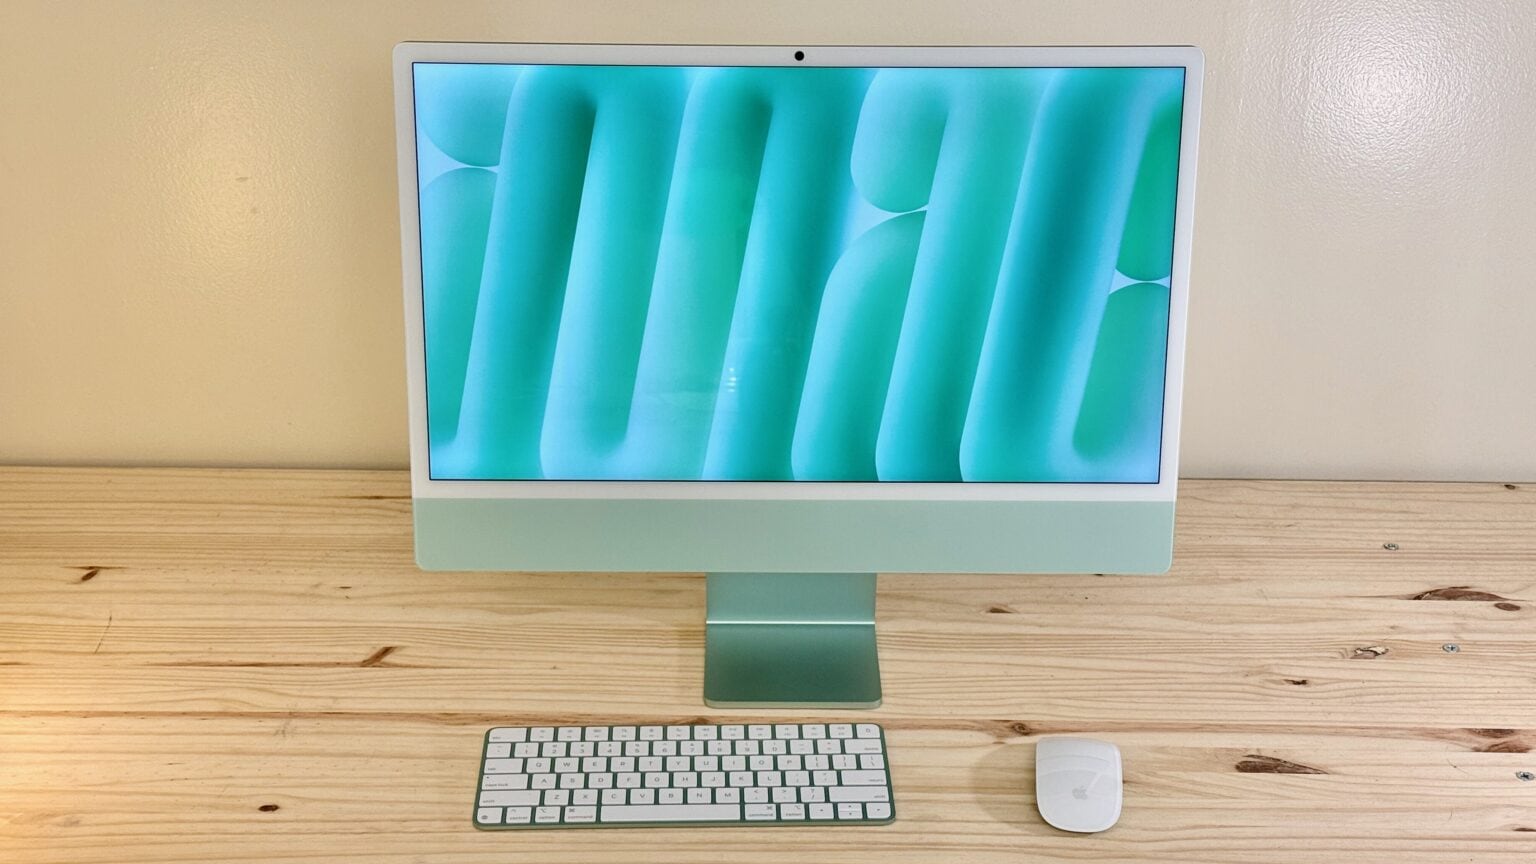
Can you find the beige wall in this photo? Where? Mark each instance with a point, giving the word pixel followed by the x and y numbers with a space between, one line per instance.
pixel 199 251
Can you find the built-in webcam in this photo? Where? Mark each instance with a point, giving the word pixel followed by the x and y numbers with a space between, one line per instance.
pixel 799 55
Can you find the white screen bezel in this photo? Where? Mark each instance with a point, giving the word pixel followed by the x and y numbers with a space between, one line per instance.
pixel 423 486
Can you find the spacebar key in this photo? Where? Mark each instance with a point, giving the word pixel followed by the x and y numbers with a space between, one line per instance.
pixel 670 813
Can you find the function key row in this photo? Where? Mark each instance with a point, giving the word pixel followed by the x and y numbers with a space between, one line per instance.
pixel 701 732
pixel 770 747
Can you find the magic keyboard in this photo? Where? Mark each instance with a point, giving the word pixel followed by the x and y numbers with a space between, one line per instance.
pixel 753 774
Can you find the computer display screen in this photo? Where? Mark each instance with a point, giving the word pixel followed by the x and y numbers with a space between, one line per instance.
pixel 915 274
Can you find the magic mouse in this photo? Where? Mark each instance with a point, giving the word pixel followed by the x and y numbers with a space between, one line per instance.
pixel 1077 783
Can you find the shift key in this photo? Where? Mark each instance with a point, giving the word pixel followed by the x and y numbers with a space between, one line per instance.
pixel 510 798
pixel 839 794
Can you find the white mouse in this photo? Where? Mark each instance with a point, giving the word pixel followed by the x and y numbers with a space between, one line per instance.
pixel 1077 783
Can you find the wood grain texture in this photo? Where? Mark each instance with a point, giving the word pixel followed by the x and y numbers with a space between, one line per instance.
pixel 241 666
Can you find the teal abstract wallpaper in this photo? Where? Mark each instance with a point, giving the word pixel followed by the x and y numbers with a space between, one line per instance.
pixel 783 273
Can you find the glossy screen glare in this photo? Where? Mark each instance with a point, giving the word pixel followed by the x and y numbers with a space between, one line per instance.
pixel 816 274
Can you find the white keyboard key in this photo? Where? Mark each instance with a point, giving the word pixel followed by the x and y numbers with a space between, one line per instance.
pixel 712 779
pixel 788 763
pixel 613 796
pixel 513 734
pixel 557 798
pixel 488 815
pixel 629 781
pixel 867 730
pixel 706 763
pixel 755 795
pixel 759 732
pixel 760 763
pixel 600 781
pixel 690 748
pixel 850 811
pixel 541 733
pixel 677 733
pixel 664 748
pixel 872 762
pixel 503 766
pixel 829 746
pixel 573 781
pixel 821 811
pixel 655 780
pixel 669 796
pixel 747 748
pixel 622 764
pixel 817 763
pixel 546 815
pixel 594 765
pixel 584 797
pixel 519 815
pixel 552 749
pixel 862 745
pixel 844 762
pixel 567 765
pixel 650 733
pixel 648 764
pixel 510 798
pixel 877 811
pixel 525 750
pixel 673 813
pixel 610 748
pixel 718 748
pixel 786 730
pixel 770 778
pixel 568 733
pixel 705 733
pixel 797 778
pixel 582 749
pixel 580 814
pixel 801 747
pixel 775 747
pixel 759 812
pixel 727 795
pixel 596 733
pixel 783 794
pixel 678 763
pixel 685 780
pixel 733 763
pixel 840 794
pixel 864 778
pixel 812 795
pixel 741 778
pixel 543 781
pixel 813 730
pixel 642 796
pixel 733 733
pixel 824 778
pixel 537 766
pixel 504 781
pixel 699 796
pixel 623 733
pixel 637 748
pixel 498 751
pixel 841 730
pixel 791 811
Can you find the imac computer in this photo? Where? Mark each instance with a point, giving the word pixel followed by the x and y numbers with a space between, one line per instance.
pixel 793 316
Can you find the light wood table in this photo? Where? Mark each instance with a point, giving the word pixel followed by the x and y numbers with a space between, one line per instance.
pixel 221 666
